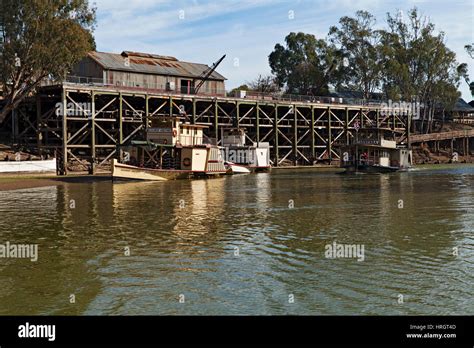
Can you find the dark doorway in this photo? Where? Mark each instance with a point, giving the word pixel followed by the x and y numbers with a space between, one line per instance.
pixel 187 86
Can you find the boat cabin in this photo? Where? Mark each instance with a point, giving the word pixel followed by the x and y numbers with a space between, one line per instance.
pixel 171 131
pixel 255 156
pixel 376 155
pixel 233 136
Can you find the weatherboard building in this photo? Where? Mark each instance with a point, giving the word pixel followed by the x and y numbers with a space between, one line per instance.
pixel 148 71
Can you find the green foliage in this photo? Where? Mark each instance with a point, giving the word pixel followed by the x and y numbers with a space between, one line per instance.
pixel 463 67
pixel 41 39
pixel 358 42
pixel 408 60
pixel 470 50
pixel 263 84
pixel 240 88
pixel 305 65
pixel 416 60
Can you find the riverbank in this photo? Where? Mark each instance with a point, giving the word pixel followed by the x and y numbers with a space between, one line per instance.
pixel 25 181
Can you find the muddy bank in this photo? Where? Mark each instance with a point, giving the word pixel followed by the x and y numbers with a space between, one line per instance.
pixel 18 182
pixel 11 182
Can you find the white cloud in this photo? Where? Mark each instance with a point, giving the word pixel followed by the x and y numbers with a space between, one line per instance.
pixel 249 29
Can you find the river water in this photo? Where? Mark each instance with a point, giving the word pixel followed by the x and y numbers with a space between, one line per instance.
pixel 252 244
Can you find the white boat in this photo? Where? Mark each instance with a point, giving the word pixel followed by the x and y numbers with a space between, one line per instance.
pixel 41 166
pixel 173 150
pixel 254 157
pixel 375 156
pixel 233 168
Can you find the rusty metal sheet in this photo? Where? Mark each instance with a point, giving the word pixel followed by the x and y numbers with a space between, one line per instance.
pixel 151 64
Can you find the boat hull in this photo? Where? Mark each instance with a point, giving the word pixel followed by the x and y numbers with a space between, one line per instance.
pixel 44 166
pixel 372 169
pixel 236 169
pixel 127 172
pixel 258 169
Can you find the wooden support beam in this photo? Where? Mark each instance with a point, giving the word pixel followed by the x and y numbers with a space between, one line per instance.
pixel 238 114
pixel 93 154
pixel 63 170
pixel 377 119
pixel 346 125
pixel 295 134
pixel 275 125
pixel 257 121
pixel 289 139
pixel 171 106
pixel 313 151
pixel 147 112
pixel 329 139
pixel 194 111
pixel 216 121
pixel 121 125
pixel 39 135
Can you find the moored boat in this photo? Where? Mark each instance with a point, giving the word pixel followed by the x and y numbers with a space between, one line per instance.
pixel 375 156
pixel 173 150
pixel 233 168
pixel 37 166
pixel 254 157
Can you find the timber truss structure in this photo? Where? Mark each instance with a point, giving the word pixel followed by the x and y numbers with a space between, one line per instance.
pixel 87 125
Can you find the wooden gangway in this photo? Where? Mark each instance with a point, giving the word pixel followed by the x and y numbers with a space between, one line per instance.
pixel 420 138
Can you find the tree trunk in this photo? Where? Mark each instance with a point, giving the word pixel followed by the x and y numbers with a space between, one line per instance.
pixel 5 112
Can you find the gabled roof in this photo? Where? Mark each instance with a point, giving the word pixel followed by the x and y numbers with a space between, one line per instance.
pixel 471 103
pixel 147 63
pixel 462 106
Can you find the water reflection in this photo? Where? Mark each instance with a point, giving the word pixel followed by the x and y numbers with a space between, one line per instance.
pixel 234 246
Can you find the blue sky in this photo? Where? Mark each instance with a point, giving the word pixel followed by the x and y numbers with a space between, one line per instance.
pixel 247 30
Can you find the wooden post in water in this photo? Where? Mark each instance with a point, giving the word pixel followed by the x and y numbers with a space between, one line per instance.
pixel 65 135
pixel 121 126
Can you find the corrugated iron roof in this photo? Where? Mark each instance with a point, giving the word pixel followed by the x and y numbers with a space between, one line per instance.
pixel 151 64
pixel 462 106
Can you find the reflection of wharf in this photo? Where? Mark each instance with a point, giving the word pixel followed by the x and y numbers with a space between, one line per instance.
pixel 298 132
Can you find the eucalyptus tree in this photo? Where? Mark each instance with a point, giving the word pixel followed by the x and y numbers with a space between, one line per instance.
pixel 305 65
pixel 40 39
pixel 463 70
pixel 358 41
pixel 470 50
pixel 263 84
pixel 418 66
